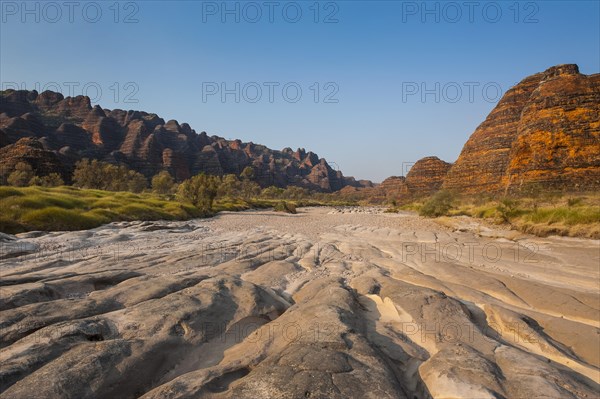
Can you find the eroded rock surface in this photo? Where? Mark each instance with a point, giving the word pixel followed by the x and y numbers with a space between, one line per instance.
pixel 335 303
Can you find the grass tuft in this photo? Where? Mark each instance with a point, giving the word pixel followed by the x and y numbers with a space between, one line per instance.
pixel 574 215
pixel 6 192
pixel 284 206
pixel 70 208
pixel 55 218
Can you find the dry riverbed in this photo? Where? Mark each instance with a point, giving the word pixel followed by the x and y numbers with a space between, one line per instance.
pixel 327 303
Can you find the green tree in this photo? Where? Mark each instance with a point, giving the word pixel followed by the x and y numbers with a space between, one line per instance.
pixel 112 179
pixel 21 176
pixel 249 189
pixel 272 192
pixel 200 190
pixel 36 181
pixel 88 174
pixel 230 186
pixel 136 182
pixel 295 193
pixel 115 178
pixel 105 176
pixel 51 180
pixel 163 183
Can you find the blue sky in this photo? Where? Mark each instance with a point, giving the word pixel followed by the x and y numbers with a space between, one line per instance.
pixel 361 67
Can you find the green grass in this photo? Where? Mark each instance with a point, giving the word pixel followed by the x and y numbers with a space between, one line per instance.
pixel 9 192
pixel 575 215
pixel 569 216
pixel 438 204
pixel 61 219
pixel 69 208
pixel 238 204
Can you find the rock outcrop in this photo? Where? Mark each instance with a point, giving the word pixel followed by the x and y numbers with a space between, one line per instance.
pixel 390 189
pixel 29 150
pixel 333 303
pixel 558 139
pixel 426 176
pixel 545 130
pixel 394 187
pixel 71 129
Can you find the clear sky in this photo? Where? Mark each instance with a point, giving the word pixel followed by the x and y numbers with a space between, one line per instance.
pixel 382 83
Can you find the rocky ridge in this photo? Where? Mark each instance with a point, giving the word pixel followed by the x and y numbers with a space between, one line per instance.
pixel 544 132
pixel 69 129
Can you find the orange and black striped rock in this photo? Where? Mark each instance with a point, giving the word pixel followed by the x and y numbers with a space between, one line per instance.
pixel 544 131
pixel 427 176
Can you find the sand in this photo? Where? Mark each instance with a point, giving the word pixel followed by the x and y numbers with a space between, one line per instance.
pixel 327 303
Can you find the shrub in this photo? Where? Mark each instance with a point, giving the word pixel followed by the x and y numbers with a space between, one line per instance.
pixel 250 189
pixel 51 180
pixel 284 206
pixel 88 174
pixel 163 183
pixel 105 176
pixel 247 174
pixel 439 204
pixel 272 192
pixel 199 190
pixel 507 208
pixel 35 181
pixel 295 193
pixel 230 186
pixel 137 182
pixel 21 176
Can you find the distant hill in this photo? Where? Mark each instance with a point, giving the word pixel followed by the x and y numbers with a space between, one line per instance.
pixel 51 133
pixel 544 132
